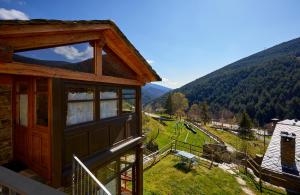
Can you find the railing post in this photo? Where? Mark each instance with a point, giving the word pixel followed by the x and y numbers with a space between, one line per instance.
pixel 73 175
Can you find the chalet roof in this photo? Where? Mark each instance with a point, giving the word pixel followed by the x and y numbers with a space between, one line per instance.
pixel 272 158
pixel 93 24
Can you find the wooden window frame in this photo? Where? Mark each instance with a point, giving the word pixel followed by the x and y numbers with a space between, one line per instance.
pixel 135 99
pixel 94 100
pixel 35 105
pixel 109 99
pixel 96 61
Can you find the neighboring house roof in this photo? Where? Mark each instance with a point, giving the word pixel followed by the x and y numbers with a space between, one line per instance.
pixel 272 157
pixel 95 25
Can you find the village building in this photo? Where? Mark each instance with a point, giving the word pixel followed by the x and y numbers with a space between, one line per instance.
pixel 71 89
pixel 282 158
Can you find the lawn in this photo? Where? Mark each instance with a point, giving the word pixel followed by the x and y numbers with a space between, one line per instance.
pixel 164 178
pixel 254 146
pixel 169 130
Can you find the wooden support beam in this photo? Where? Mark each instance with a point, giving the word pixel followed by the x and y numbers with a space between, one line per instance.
pixel 6 53
pixel 98 46
pixel 139 170
pixel 42 41
pixel 17 68
pixel 25 30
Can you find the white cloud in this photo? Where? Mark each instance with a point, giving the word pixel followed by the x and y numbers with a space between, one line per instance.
pixel 12 14
pixel 150 61
pixel 72 53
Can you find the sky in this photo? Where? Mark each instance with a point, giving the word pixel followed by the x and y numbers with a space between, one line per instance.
pixel 182 39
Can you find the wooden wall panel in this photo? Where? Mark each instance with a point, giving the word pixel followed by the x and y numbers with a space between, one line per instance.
pixel 99 139
pixel 117 132
pixel 76 144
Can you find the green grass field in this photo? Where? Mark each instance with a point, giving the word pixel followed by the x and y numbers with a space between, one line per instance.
pixel 254 146
pixel 164 178
pixel 169 130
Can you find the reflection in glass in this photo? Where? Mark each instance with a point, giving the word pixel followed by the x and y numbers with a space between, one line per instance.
pixel 112 65
pixel 41 102
pixel 42 109
pixel 128 100
pixel 128 105
pixel 76 57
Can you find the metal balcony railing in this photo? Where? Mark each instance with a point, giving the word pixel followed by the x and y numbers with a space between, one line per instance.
pixel 12 183
pixel 84 181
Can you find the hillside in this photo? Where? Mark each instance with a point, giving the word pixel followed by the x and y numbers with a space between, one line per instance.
pixel 152 91
pixel 265 84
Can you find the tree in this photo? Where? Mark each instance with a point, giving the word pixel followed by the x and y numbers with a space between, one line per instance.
pixel 204 113
pixel 168 105
pixel 245 126
pixel 179 104
pixel 194 112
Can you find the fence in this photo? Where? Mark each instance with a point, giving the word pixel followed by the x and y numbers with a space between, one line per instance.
pixel 193 149
pixel 205 131
pixel 84 181
pixel 286 180
pixel 155 157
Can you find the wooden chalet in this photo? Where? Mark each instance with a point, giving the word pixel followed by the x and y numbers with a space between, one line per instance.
pixel 71 88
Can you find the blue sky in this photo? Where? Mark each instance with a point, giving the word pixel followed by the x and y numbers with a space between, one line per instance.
pixel 183 40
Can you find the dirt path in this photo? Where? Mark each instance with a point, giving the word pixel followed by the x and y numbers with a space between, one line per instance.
pixel 242 182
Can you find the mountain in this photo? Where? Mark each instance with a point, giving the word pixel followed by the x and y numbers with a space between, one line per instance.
pixel 152 91
pixel 265 85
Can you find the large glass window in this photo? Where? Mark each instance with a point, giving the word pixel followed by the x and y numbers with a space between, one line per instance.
pixel 80 105
pixel 76 57
pixel 113 65
pixel 128 100
pixel 108 103
pixel 108 175
pixel 41 102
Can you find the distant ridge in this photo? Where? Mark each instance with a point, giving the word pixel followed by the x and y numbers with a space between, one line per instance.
pixel 265 84
pixel 152 91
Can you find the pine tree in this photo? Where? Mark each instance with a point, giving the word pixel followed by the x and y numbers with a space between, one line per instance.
pixel 245 126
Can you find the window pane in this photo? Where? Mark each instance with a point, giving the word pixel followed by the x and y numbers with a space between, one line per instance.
pixel 128 91
pixel 23 109
pixel 76 57
pixel 128 105
pixel 108 94
pixel 80 112
pixel 108 108
pixel 107 173
pixel 128 96
pixel 42 109
pixel 112 65
pixel 88 95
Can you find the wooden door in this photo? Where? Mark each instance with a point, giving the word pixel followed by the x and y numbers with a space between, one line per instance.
pixel 32 131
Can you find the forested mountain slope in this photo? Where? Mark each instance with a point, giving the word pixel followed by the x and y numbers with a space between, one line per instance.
pixel 265 84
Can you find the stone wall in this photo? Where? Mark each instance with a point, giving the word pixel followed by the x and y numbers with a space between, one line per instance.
pixel 6 148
